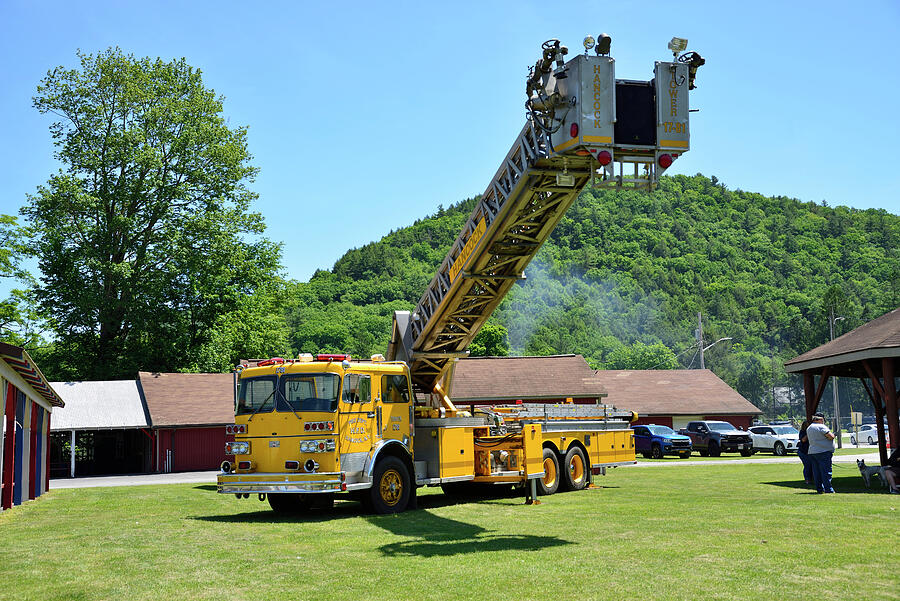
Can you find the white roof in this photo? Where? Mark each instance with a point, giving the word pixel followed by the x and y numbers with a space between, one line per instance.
pixel 98 406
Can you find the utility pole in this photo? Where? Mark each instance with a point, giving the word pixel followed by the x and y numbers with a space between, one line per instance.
pixel 834 382
pixel 700 339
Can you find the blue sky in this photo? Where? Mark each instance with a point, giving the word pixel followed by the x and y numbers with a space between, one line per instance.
pixel 364 117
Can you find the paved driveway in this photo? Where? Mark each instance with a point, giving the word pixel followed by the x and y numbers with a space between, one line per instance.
pixel 136 480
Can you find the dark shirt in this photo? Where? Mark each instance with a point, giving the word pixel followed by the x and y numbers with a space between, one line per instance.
pixel 803 445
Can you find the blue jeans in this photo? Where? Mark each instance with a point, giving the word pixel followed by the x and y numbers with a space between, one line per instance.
pixel 807 466
pixel 821 469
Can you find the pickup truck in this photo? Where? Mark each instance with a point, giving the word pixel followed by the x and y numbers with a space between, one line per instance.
pixel 656 441
pixel 712 438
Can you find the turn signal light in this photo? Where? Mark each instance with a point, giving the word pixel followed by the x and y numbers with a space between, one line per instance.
pixel 243 465
pixel 665 161
pixel 604 157
pixel 292 465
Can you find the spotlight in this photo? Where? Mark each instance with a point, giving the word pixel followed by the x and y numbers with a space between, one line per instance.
pixel 603 42
pixel 677 45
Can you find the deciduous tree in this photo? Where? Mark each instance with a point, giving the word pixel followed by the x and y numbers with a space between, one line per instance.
pixel 144 237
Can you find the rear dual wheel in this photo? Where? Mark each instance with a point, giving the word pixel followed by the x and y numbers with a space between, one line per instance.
pixel 575 476
pixel 549 484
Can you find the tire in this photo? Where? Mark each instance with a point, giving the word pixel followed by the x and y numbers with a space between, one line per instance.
pixel 549 484
pixel 288 503
pixel 656 451
pixel 685 455
pixel 704 453
pixel 779 449
pixel 575 475
pixel 390 487
pixel 852 440
pixel 746 452
pixel 871 441
pixel 646 455
pixel 714 450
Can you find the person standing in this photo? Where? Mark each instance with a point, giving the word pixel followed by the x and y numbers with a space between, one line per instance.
pixel 803 453
pixel 821 449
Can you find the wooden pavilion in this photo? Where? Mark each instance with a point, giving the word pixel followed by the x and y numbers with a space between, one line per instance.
pixel 870 353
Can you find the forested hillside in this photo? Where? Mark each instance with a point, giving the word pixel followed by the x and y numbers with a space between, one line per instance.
pixel 625 274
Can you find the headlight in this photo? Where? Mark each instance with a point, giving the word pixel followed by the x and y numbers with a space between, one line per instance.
pixel 237 448
pixel 317 446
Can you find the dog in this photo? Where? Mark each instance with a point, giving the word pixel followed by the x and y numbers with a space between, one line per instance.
pixel 868 471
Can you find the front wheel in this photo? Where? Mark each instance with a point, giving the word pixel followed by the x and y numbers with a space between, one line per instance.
pixel 656 451
pixel 390 486
pixel 852 440
pixel 575 474
pixel 746 453
pixel 779 449
pixel 686 455
pixel 714 450
pixel 549 484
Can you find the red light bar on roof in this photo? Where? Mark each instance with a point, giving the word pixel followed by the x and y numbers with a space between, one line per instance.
pixel 332 357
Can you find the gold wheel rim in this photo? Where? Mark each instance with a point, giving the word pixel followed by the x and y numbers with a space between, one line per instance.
pixel 549 478
pixel 391 487
pixel 576 469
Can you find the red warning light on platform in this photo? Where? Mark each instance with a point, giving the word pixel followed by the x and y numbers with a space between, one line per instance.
pixel 573 130
pixel 665 161
pixel 604 157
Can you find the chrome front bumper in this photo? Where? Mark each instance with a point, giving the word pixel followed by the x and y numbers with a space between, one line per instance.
pixel 323 482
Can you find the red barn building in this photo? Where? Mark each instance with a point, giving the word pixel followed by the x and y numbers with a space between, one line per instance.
pixel 188 415
pixel 673 397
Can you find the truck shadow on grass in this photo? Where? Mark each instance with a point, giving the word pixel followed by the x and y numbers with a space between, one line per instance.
pixel 431 535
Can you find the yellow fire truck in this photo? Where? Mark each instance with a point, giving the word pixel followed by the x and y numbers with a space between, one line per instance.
pixel 312 427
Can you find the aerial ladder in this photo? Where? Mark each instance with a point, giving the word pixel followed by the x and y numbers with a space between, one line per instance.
pixel 584 127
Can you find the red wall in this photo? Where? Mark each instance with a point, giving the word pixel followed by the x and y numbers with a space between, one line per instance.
pixel 6 496
pixel 193 449
pixel 659 420
pixel 738 421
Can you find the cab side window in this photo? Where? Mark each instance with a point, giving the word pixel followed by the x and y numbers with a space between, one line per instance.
pixel 395 388
pixel 357 388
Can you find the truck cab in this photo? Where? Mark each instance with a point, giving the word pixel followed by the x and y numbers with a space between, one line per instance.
pixel 308 428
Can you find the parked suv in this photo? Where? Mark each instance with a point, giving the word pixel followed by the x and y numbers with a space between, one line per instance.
pixel 778 439
pixel 656 441
pixel 714 437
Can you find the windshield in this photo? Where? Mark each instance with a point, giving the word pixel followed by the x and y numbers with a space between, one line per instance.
pixel 256 395
pixel 308 392
pixel 720 426
pixel 784 430
pixel 661 430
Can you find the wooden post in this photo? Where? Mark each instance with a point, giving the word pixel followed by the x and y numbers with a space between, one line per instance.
pixel 809 390
pixel 890 404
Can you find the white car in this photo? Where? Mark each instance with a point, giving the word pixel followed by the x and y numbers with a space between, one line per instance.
pixel 867 434
pixel 776 439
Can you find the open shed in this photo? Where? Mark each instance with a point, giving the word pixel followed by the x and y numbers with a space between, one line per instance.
pixel 107 425
pixel 870 353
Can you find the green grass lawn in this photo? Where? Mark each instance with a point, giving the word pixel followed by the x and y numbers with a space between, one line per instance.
pixel 703 532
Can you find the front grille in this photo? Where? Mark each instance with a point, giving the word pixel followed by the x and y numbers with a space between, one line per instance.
pixel 681 443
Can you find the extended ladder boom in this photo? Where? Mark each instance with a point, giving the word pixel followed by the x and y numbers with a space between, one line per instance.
pixel 583 123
